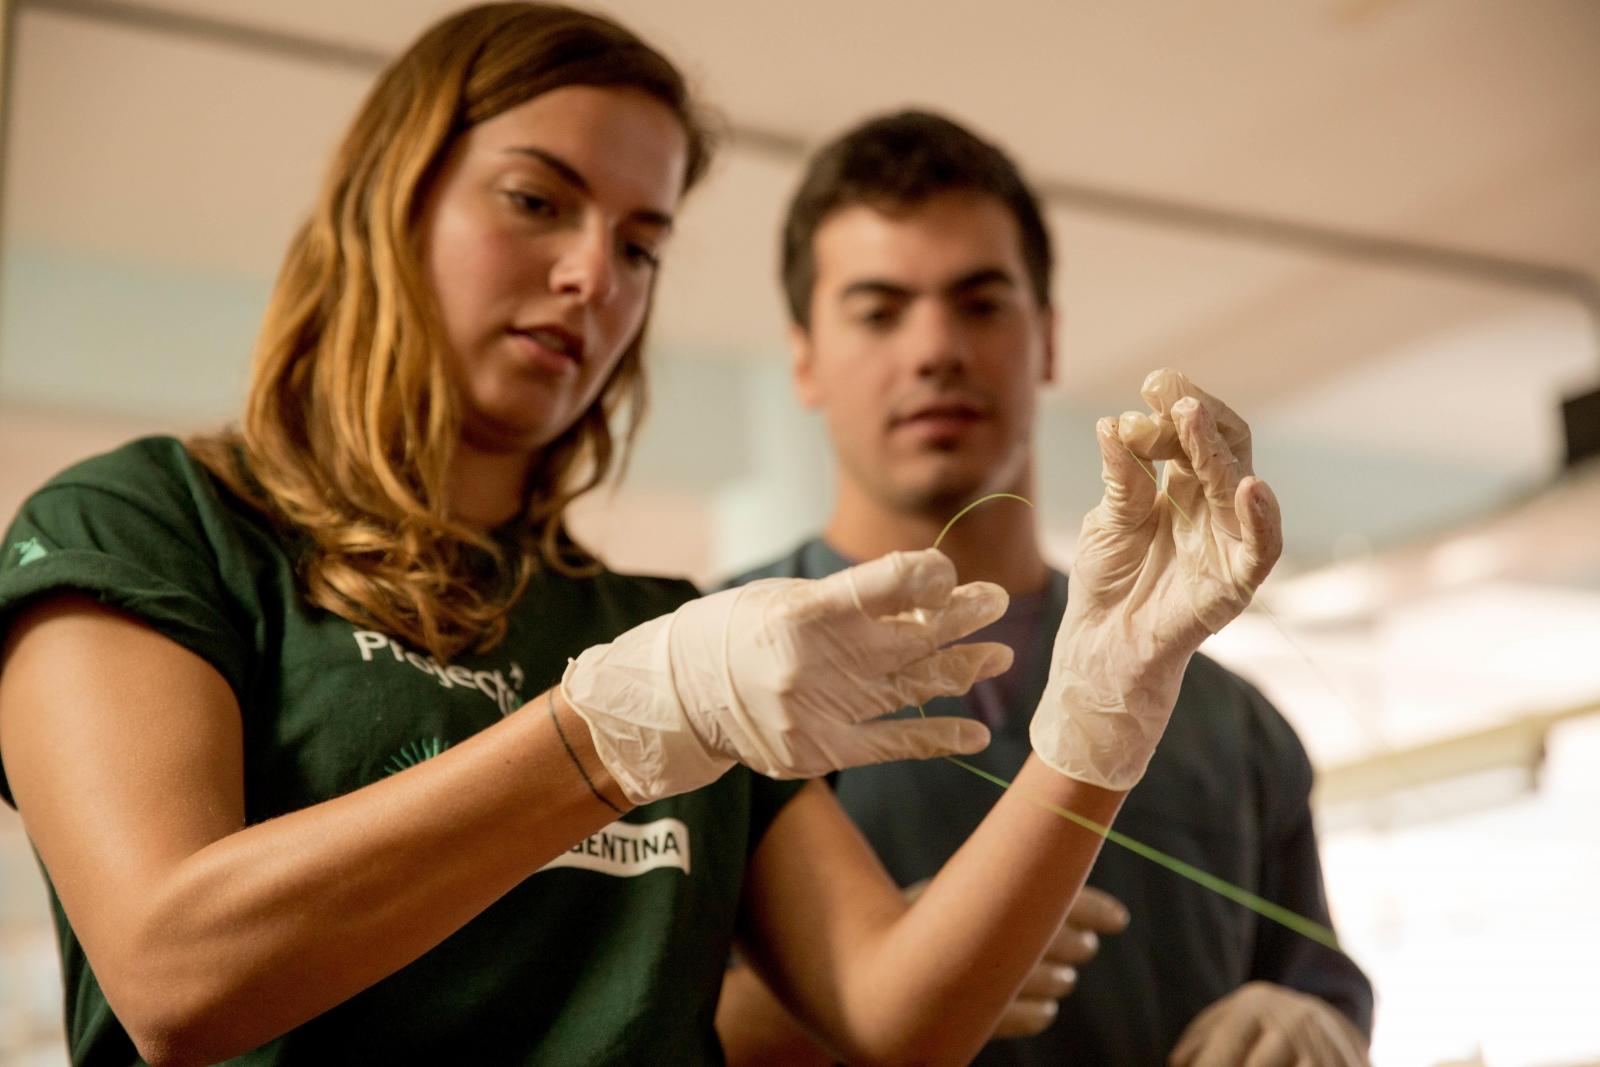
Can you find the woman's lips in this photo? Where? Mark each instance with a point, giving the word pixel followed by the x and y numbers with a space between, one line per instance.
pixel 548 347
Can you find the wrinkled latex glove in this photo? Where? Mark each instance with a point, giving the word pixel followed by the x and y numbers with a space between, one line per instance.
pixel 1151 582
pixel 1267 1025
pixel 783 675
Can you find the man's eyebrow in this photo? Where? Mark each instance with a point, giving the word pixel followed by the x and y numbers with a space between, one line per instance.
pixel 573 177
pixel 977 279
pixel 876 287
pixel 980 278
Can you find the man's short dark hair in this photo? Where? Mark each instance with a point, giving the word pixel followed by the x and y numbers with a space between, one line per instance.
pixel 896 162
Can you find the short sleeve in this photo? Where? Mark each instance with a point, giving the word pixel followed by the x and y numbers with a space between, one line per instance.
pixel 130 534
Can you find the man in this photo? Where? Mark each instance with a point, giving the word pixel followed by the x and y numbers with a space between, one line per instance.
pixel 917 270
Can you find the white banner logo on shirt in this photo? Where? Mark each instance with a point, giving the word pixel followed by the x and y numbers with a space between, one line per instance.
pixel 626 849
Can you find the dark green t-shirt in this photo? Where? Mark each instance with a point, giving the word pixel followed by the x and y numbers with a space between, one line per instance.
pixel 612 954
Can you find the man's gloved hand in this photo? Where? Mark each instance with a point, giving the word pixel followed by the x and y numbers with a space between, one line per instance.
pixel 1150 583
pixel 1265 1025
pixel 783 675
pixel 1095 912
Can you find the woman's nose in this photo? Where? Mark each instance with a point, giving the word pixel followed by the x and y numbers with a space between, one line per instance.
pixel 585 268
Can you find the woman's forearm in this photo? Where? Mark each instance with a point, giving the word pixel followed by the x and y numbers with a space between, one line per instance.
pixel 946 970
pixel 269 926
pixel 886 983
pixel 757 1031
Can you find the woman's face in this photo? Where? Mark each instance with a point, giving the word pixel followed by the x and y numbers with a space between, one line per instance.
pixel 541 239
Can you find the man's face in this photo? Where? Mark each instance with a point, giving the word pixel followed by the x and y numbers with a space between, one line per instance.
pixel 925 350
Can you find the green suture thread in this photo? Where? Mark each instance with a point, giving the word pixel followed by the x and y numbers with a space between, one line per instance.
pixel 1151 474
pixel 1180 509
pixel 1300 924
pixel 1260 905
pixel 937 541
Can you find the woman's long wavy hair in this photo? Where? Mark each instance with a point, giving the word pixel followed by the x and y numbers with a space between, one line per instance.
pixel 351 418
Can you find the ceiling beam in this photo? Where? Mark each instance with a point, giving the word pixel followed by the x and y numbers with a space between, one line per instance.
pixel 1309 238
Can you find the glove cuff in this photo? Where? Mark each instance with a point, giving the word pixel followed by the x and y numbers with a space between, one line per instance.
pixel 1093 737
pixel 623 692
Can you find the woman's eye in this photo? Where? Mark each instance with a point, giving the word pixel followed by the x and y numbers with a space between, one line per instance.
pixel 531 203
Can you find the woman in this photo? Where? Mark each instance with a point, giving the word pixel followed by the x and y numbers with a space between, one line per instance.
pixel 324 730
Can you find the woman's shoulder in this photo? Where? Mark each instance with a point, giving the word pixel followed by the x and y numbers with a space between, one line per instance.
pixel 151 487
pixel 141 528
pixel 154 469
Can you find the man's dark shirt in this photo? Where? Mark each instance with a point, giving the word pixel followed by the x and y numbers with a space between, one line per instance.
pixel 1226 791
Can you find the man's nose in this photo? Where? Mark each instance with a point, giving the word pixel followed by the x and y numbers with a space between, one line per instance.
pixel 938 345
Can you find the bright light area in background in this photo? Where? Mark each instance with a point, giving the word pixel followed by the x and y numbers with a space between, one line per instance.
pixel 1431 668
pixel 1480 930
pixel 1448 395
pixel 1487 654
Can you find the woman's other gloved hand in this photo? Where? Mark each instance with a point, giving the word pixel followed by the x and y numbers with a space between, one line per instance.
pixel 1154 577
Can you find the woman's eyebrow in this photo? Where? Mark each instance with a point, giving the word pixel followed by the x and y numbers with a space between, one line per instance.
pixel 574 177
pixel 566 171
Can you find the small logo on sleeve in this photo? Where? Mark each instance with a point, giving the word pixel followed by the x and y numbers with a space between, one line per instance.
pixel 25 552
pixel 626 850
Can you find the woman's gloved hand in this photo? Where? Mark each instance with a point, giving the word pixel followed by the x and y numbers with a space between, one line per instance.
pixel 1151 581
pixel 783 675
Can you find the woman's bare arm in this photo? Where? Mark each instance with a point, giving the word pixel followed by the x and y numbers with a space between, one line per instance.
pixel 756 1030
pixel 209 937
pixel 883 982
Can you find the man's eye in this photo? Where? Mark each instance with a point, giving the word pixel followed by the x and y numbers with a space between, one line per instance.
pixel 640 255
pixel 982 308
pixel 878 318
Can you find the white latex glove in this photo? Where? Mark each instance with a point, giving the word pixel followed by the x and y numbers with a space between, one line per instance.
pixel 783 675
pixel 1151 583
pixel 1267 1025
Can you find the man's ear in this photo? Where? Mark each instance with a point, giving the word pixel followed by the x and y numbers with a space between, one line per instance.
pixel 802 367
pixel 1052 323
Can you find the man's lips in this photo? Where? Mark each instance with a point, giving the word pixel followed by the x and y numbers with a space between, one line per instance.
pixel 950 414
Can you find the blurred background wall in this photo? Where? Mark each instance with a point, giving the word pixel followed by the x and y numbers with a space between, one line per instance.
pixel 1372 225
